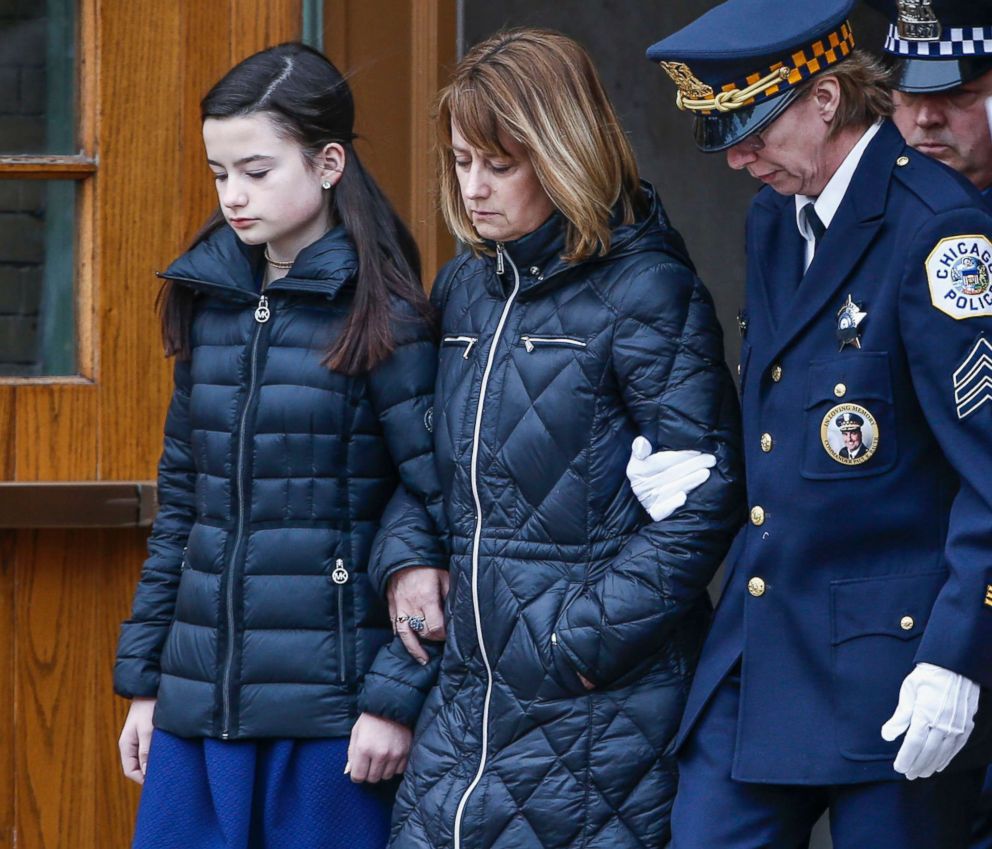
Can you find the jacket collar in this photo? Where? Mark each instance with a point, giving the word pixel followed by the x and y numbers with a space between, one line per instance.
pixel 859 218
pixel 224 265
pixel 542 249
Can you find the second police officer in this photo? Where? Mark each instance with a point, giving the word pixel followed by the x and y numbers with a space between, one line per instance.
pixel 844 658
pixel 943 81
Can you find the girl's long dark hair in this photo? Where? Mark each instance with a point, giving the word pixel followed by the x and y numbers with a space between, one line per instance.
pixel 310 101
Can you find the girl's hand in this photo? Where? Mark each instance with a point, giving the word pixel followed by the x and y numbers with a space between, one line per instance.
pixel 417 591
pixel 136 738
pixel 378 749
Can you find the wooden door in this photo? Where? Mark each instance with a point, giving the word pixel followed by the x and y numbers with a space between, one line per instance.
pixel 78 452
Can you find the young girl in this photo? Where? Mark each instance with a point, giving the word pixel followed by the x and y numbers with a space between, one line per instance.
pixel 304 372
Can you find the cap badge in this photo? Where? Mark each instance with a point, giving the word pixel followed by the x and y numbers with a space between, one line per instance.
pixel 688 84
pixel 849 318
pixel 917 21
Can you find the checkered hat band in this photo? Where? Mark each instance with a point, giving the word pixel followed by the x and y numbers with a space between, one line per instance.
pixel 955 42
pixel 802 64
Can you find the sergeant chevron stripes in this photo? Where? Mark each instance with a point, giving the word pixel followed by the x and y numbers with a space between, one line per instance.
pixel 973 379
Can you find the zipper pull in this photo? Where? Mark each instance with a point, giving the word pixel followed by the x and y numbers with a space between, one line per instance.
pixel 468 349
pixel 262 311
pixel 500 267
pixel 340 574
pixel 527 344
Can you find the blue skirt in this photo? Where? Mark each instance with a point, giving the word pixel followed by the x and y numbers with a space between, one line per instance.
pixel 257 794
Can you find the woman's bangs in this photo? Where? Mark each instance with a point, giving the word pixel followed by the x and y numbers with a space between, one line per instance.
pixel 474 111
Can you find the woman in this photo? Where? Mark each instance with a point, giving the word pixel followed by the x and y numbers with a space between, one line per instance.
pixel 305 362
pixel 572 324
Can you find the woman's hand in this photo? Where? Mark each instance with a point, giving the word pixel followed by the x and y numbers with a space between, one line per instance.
pixel 135 739
pixel 417 591
pixel 378 749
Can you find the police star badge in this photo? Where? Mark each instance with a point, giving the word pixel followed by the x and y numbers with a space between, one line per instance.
pixel 849 318
pixel 917 21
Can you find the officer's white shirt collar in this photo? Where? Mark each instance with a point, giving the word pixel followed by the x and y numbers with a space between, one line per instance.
pixel 830 198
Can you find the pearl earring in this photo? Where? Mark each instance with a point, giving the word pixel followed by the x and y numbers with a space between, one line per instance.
pixel 326 184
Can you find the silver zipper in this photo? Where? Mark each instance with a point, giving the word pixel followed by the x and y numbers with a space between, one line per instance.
pixel 262 311
pixel 477 539
pixel 340 577
pixel 468 341
pixel 530 342
pixel 500 267
pixel 252 377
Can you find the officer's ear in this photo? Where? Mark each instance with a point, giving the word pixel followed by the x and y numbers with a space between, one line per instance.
pixel 826 96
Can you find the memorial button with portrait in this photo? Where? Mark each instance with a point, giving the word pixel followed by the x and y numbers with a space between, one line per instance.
pixel 849 434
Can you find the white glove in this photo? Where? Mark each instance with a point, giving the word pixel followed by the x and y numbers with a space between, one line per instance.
pixel 938 707
pixel 662 481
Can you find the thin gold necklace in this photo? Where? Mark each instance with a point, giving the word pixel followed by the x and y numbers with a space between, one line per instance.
pixel 276 263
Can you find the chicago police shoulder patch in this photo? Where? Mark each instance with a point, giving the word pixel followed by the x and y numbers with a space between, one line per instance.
pixel 959 271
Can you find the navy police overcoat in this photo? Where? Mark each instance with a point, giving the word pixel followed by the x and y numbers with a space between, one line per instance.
pixel 848 573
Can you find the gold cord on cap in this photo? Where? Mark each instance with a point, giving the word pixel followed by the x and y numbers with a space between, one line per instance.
pixel 696 96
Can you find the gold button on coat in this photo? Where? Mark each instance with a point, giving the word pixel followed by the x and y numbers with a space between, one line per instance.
pixel 906 623
pixel 840 390
pixel 756 587
pixel 757 515
pixel 902 160
pixel 776 373
pixel 766 442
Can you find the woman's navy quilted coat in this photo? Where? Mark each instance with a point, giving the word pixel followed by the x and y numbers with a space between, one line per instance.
pixel 255 615
pixel 547 373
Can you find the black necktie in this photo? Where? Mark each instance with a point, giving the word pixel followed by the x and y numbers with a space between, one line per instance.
pixel 814 223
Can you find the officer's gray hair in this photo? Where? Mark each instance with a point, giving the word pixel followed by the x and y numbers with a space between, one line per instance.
pixel 865 92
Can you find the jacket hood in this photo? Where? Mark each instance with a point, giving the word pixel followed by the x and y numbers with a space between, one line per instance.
pixel 224 265
pixel 541 251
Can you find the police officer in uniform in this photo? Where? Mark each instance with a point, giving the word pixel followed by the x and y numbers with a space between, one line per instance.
pixel 846 665
pixel 943 78
pixel 850 426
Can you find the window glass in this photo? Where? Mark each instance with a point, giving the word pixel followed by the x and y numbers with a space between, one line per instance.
pixel 37 77
pixel 37 297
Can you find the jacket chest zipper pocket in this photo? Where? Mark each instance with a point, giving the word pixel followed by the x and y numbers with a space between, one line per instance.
pixel 467 341
pixel 532 342
pixel 340 577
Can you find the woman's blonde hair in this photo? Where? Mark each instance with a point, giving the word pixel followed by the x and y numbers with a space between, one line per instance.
pixel 540 88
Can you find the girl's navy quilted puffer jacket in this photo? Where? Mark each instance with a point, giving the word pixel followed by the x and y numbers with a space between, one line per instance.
pixel 255 615
pixel 547 373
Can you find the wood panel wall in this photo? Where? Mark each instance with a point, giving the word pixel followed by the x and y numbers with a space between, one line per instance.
pixel 63 593
pixel 397 55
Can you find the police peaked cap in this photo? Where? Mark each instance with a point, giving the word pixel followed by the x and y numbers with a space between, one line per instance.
pixel 741 64
pixel 939 44
pixel 850 422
